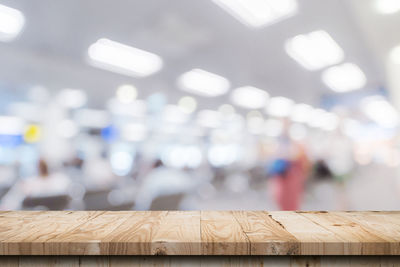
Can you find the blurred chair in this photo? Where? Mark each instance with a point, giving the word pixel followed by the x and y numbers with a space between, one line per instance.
pixel 58 202
pixel 99 200
pixel 96 199
pixel 167 202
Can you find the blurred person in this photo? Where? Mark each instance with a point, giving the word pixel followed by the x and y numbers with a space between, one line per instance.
pixel 160 181
pixel 42 185
pixel 288 172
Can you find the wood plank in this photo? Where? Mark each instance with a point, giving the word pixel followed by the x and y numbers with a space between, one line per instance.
pixel 386 226
pixel 221 234
pixel 359 239
pixel 135 236
pixel 315 239
pixel 199 233
pixel 266 235
pixel 90 232
pixel 178 234
pixel 35 231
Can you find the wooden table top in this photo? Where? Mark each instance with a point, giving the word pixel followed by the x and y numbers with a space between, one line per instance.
pixel 199 233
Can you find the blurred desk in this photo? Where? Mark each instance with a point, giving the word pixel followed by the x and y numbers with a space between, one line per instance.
pixel 117 238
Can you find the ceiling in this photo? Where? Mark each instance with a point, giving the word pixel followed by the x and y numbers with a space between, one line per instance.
pixel 52 49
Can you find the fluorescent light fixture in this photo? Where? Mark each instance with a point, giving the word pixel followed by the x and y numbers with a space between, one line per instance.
pixel 123 59
pixel 258 13
pixel 279 106
pixel 204 83
pixel 314 50
pixel 301 112
pixel 345 77
pixel 249 97
pixel 11 23
pixel 387 7
pixel 381 111
pixel 395 54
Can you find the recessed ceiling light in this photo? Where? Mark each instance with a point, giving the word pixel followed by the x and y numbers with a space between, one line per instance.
pixel 11 23
pixel 381 111
pixel 249 97
pixel 258 13
pixel 345 77
pixel 123 59
pixel 203 83
pixel 387 6
pixel 279 106
pixel 314 50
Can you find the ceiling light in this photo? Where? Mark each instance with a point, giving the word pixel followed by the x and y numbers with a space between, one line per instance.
pixel 187 104
pixel 126 93
pixel 11 23
pixel 381 111
pixel 279 106
pixel 123 59
pixel 258 13
pixel 249 97
pixel 301 112
pixel 314 50
pixel 345 77
pixel 203 83
pixel 387 6
pixel 395 55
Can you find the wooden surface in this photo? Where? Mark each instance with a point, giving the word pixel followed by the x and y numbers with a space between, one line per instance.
pixel 199 233
pixel 207 261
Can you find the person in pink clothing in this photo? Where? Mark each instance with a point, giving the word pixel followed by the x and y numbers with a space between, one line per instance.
pixel 288 173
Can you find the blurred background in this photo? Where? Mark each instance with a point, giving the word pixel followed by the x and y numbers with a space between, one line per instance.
pixel 194 105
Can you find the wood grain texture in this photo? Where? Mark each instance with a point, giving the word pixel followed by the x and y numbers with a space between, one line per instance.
pixel 198 233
